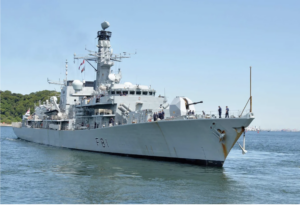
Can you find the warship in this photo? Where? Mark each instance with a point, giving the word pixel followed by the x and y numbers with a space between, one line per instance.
pixel 128 119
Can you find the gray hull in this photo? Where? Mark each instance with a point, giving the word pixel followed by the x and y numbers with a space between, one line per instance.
pixel 192 141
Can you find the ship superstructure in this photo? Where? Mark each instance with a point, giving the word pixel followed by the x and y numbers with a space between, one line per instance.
pixel 108 116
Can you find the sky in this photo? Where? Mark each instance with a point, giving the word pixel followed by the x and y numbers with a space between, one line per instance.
pixel 193 48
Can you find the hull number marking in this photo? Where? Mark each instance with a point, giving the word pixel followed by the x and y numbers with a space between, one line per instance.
pixel 102 142
pixel 97 141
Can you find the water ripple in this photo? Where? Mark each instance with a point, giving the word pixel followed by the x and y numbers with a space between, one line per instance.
pixel 33 173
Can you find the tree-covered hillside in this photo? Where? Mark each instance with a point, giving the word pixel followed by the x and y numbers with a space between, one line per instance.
pixel 13 105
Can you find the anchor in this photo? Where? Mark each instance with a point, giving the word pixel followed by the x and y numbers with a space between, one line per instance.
pixel 244 151
pixel 221 135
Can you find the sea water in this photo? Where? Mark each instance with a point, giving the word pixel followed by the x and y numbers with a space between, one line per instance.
pixel 34 173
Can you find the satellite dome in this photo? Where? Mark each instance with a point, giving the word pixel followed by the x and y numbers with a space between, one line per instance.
pixel 102 87
pixel 112 77
pixel 105 25
pixel 77 85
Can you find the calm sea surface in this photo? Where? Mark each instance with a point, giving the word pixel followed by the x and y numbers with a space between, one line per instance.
pixel 33 173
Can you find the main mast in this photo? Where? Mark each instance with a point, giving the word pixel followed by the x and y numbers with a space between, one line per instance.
pixel 104 52
pixel 104 58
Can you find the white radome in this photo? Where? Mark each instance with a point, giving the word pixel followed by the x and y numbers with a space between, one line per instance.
pixel 112 77
pixel 77 85
pixel 102 87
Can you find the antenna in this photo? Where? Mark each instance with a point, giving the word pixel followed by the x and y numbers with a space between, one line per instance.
pixel 165 98
pixel 250 92
pixel 250 98
pixel 66 70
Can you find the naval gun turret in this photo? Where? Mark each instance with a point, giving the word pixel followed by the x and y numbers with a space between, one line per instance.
pixel 181 106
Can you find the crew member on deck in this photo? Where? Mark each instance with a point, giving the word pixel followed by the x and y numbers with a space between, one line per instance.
pixel 159 115
pixel 154 116
pixel 227 112
pixel 220 111
pixel 111 121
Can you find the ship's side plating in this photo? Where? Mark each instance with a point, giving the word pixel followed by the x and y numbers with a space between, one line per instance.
pixel 191 140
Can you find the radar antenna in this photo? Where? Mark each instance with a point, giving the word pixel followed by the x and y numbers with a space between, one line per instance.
pixel 108 55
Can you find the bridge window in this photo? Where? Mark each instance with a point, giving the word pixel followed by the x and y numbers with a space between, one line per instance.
pixel 131 92
pixel 138 92
pixel 125 92
pixel 118 92
pixel 145 93
pixel 150 93
pixel 112 92
pixel 89 84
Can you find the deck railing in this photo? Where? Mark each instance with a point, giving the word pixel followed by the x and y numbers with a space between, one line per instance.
pixel 215 114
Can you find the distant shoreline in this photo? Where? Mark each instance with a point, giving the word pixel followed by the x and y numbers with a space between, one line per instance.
pixel 5 125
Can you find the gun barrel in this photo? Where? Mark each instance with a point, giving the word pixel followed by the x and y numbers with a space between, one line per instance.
pixel 195 103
